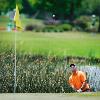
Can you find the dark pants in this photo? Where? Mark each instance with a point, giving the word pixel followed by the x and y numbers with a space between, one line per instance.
pixel 87 90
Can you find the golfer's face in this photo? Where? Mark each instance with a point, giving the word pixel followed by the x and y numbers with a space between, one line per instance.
pixel 73 68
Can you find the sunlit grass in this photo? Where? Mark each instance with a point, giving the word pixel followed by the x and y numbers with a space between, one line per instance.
pixel 59 44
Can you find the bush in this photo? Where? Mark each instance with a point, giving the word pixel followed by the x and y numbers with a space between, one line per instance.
pixel 49 27
pixel 65 27
pixel 32 27
pixel 81 23
pixel 57 28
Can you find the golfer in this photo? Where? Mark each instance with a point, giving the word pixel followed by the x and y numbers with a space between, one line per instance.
pixel 78 80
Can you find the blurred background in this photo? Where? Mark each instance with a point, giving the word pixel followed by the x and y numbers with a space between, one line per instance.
pixel 55 15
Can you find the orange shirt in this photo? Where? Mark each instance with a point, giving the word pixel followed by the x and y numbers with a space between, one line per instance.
pixel 77 80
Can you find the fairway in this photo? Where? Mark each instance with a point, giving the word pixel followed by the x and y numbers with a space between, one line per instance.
pixel 59 44
pixel 51 96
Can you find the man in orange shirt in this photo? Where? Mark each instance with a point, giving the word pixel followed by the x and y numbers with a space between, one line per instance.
pixel 78 80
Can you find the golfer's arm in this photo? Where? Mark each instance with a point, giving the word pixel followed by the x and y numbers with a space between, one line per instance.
pixel 73 87
pixel 83 85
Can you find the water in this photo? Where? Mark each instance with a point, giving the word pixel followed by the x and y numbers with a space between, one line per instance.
pixel 93 75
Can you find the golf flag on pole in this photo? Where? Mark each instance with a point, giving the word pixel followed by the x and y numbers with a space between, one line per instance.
pixel 17 19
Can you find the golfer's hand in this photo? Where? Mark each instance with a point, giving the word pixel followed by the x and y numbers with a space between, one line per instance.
pixel 79 90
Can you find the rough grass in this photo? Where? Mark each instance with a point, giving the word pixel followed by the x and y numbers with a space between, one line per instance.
pixel 59 44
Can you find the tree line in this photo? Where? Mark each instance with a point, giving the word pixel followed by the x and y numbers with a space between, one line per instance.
pixel 62 9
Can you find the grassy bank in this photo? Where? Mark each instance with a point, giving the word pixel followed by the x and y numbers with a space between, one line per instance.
pixel 58 44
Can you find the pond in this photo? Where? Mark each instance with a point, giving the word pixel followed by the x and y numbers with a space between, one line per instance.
pixel 93 75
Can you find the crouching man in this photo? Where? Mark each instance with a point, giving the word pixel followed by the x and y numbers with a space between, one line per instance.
pixel 78 80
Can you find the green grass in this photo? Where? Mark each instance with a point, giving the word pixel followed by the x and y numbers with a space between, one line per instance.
pixel 59 44
pixel 4 20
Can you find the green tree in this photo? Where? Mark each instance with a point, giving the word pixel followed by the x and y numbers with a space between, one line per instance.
pixel 61 8
pixel 3 5
pixel 96 11
pixel 74 8
pixel 27 8
pixel 92 7
pixel 7 5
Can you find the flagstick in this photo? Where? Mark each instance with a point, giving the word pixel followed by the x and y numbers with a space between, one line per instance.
pixel 15 65
pixel 17 24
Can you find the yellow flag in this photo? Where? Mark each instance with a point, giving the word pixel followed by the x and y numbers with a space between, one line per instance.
pixel 17 19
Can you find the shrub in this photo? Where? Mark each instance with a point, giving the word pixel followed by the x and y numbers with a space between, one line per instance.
pixel 65 27
pixel 30 27
pixel 81 23
pixel 57 28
